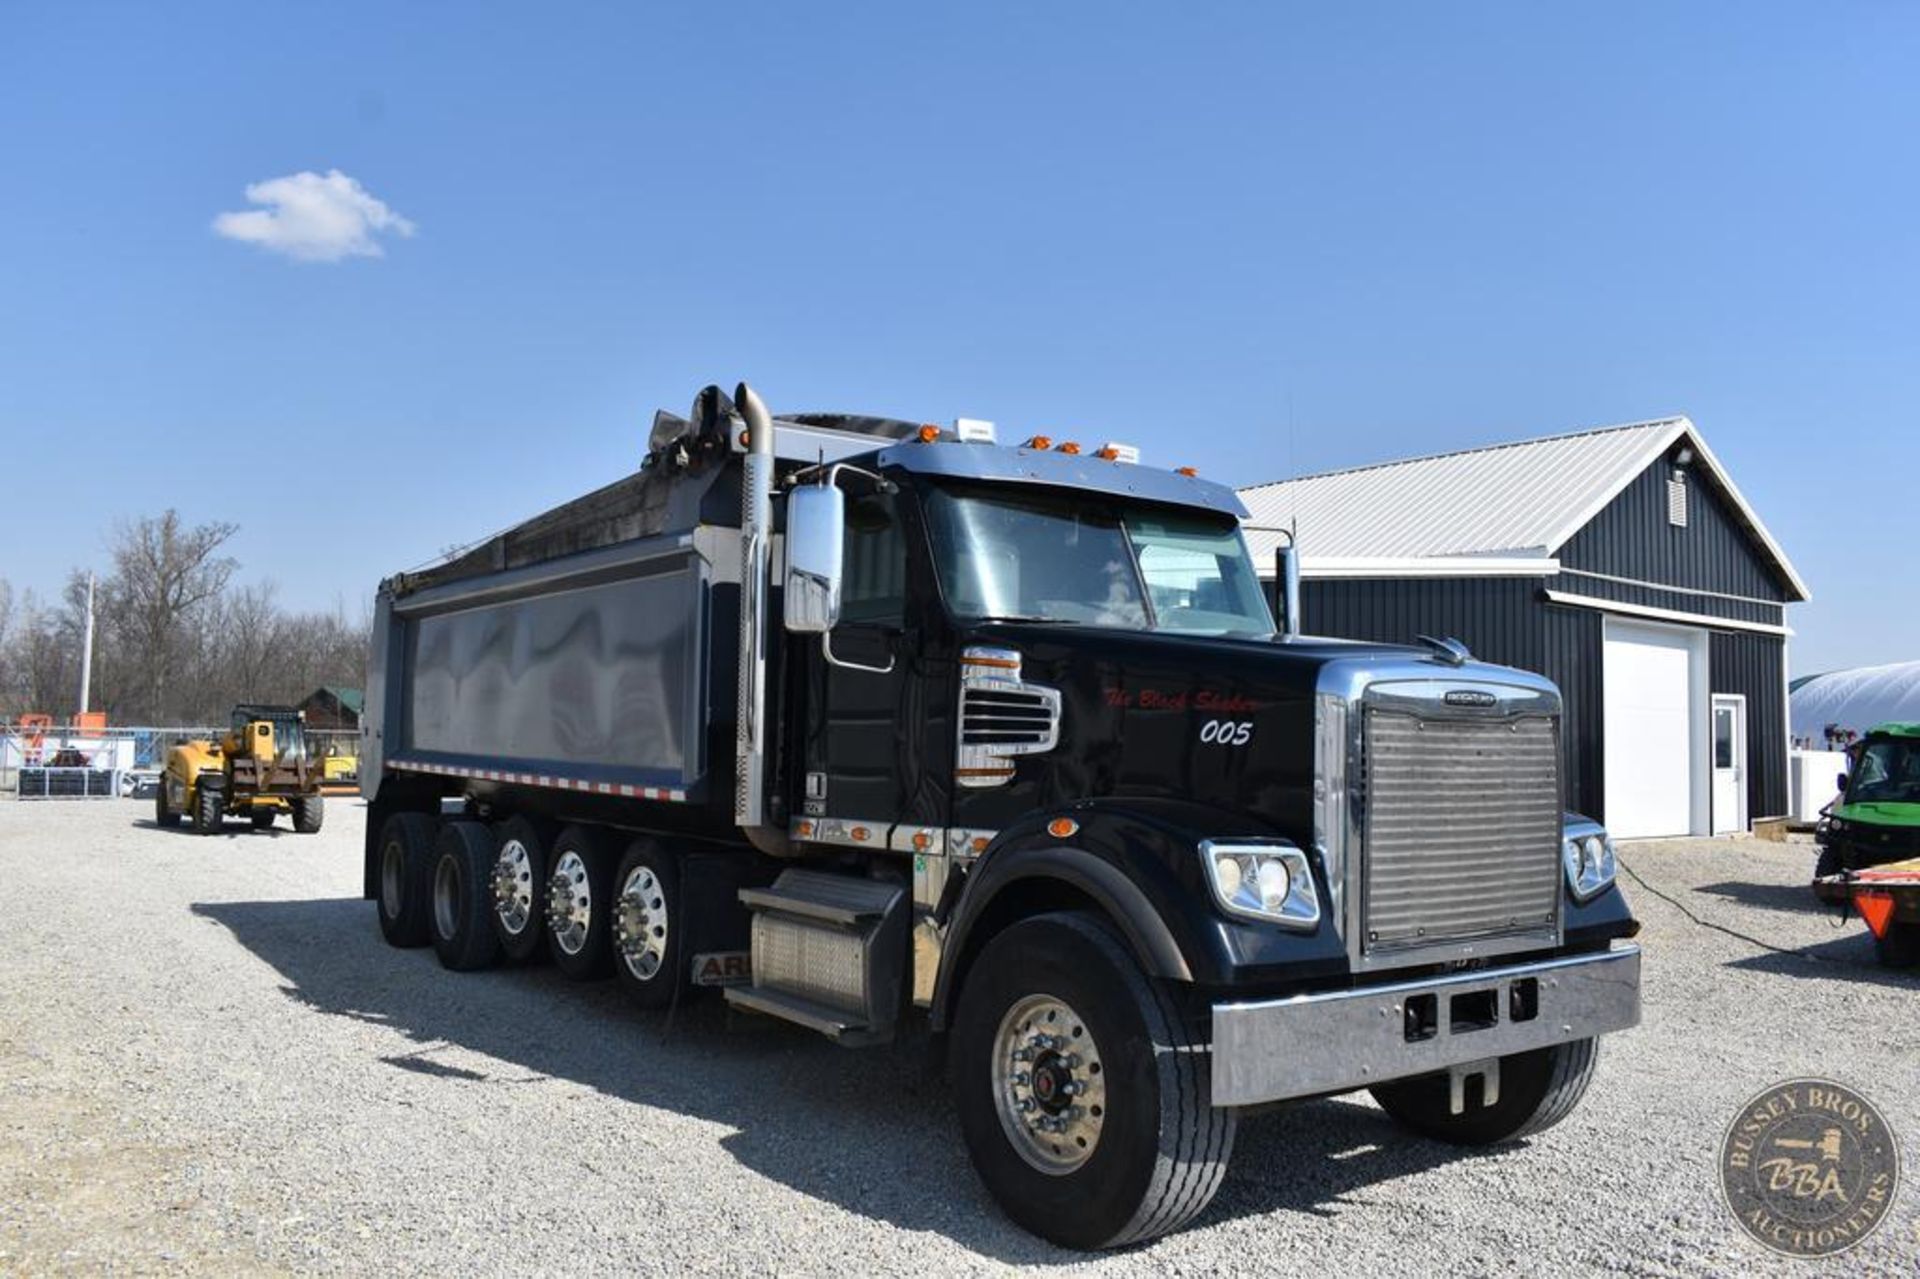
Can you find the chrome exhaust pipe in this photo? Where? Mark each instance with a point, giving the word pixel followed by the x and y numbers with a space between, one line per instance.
pixel 756 529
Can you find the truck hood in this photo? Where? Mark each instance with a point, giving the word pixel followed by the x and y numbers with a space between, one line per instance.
pixel 1220 720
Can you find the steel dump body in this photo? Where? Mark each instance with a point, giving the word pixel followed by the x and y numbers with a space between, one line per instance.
pixel 592 670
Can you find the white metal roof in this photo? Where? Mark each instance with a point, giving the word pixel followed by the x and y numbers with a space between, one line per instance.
pixel 1516 503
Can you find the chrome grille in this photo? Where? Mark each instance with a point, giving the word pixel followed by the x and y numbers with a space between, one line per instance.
pixel 1461 834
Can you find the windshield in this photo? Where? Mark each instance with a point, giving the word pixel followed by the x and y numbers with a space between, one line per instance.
pixel 1888 773
pixel 1061 558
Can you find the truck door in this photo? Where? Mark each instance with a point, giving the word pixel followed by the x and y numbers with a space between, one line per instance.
pixel 873 717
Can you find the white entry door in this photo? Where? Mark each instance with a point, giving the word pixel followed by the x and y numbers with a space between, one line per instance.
pixel 1655 779
pixel 1729 763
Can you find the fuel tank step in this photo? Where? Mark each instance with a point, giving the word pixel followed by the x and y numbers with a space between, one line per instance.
pixel 829 953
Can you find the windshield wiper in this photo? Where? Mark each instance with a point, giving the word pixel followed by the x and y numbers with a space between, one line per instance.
pixel 1028 618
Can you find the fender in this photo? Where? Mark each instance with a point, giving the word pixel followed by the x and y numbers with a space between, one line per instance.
pixel 1138 861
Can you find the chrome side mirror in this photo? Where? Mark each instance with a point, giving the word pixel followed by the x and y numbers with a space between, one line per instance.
pixel 816 530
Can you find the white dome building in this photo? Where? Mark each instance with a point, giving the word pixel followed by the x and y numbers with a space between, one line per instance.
pixel 1856 699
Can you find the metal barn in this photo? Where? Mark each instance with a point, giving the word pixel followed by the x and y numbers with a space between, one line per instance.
pixel 1622 563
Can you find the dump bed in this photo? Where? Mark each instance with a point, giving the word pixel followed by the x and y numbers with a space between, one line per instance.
pixel 593 646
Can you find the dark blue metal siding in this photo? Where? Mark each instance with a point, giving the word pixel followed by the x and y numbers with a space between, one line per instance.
pixel 1753 665
pixel 1632 538
pixel 1507 620
pixel 1502 619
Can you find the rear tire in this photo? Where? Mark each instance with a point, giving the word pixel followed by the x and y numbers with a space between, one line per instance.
pixel 209 809
pixel 403 868
pixel 1900 948
pixel 262 818
pixel 1537 1090
pixel 308 812
pixel 648 928
pixel 462 911
pixel 518 880
pixel 1111 1058
pixel 580 903
pixel 163 813
pixel 1828 862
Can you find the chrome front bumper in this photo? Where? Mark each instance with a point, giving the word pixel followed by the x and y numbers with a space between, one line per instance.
pixel 1310 1045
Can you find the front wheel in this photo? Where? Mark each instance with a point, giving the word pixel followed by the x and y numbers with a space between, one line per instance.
pixel 1084 1090
pixel 1537 1090
pixel 209 808
pixel 308 812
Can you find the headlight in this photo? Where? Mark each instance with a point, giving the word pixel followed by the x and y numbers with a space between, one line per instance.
pixel 1270 882
pixel 1589 862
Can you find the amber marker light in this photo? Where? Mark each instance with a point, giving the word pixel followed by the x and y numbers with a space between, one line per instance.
pixel 1070 448
pixel 928 434
pixel 1188 471
pixel 1041 442
pixel 1062 827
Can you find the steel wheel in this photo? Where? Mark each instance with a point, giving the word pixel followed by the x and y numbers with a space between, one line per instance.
pixel 446 897
pixel 640 923
pixel 393 877
pixel 513 887
pixel 1049 1084
pixel 570 903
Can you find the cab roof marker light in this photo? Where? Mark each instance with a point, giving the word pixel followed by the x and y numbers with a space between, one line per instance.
pixel 927 434
pixel 972 430
pixel 1040 442
pixel 1070 448
pixel 1112 452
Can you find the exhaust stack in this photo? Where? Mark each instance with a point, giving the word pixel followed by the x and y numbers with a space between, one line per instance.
pixel 756 528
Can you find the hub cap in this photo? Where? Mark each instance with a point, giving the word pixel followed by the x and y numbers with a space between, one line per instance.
pixel 570 903
pixel 640 923
pixel 513 887
pixel 1049 1084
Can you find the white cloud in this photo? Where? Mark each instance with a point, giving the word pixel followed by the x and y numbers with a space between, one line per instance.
pixel 314 218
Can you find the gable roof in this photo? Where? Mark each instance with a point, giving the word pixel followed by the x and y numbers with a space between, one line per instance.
pixel 352 700
pixel 1517 503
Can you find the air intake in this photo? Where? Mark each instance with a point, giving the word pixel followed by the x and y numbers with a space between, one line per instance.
pixel 1001 717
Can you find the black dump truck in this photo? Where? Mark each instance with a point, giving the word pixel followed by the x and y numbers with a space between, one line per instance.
pixel 865 720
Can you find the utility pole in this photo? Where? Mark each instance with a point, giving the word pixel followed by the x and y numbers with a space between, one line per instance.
pixel 86 651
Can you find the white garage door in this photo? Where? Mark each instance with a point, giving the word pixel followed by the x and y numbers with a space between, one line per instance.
pixel 1648 681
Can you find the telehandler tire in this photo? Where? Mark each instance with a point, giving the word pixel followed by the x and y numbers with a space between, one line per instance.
pixel 461 922
pixel 1537 1090
pixel 163 813
pixel 1084 1087
pixel 405 867
pixel 308 812
pixel 1900 948
pixel 209 809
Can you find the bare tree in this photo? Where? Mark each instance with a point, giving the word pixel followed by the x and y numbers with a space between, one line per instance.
pixel 163 572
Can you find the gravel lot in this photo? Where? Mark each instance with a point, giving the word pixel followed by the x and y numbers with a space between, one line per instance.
pixel 209 1061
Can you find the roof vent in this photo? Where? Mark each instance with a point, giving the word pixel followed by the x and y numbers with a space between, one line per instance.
pixel 1677 499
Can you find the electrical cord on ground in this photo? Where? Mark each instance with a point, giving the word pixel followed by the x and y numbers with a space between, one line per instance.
pixel 1705 923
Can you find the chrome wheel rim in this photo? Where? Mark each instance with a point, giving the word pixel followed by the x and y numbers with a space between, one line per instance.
pixel 1049 1084
pixel 513 887
pixel 446 896
pixel 640 923
pixel 570 903
pixel 392 862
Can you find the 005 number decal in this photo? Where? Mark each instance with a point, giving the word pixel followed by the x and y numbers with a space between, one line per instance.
pixel 1226 732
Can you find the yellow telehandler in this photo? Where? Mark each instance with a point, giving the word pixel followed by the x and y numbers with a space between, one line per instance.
pixel 260 769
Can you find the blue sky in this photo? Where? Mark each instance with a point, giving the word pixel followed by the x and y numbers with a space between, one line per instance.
pixel 1259 239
